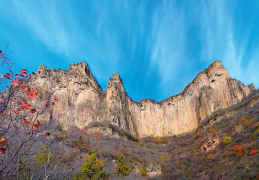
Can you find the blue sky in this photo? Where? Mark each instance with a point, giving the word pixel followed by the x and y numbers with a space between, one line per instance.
pixel 156 46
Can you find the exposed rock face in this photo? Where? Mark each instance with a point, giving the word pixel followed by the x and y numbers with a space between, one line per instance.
pixel 79 93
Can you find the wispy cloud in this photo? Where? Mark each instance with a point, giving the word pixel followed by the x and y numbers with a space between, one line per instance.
pixel 156 46
pixel 45 20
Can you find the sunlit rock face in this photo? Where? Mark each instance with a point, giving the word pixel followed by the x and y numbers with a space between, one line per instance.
pixel 82 101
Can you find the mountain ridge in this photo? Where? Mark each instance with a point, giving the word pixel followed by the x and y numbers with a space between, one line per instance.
pixel 79 91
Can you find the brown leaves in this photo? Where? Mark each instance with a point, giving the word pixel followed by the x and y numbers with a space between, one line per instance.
pixel 3 140
pixel 47 133
pixel 32 111
pixel 47 105
pixel 36 124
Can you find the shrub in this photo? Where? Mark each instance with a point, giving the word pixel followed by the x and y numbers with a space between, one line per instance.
pixel 91 169
pixel 239 150
pixel 197 136
pixel 163 157
pixel 143 172
pixel 43 156
pixel 253 152
pixel 227 140
pixel 122 167
pixel 212 129
pixel 209 156
pixel 158 140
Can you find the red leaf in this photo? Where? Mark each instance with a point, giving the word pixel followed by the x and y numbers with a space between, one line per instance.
pixel 3 115
pixel 32 111
pixel 24 72
pixel 53 103
pixel 15 112
pixel 31 93
pixel 2 151
pixel 20 108
pixel 16 126
pixel 7 140
pixel 56 98
pixel 27 122
pixel 47 105
pixel 25 88
pixel 15 82
pixel 47 133
pixel 253 152
pixel 7 75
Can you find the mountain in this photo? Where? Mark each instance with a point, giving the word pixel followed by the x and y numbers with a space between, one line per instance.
pixel 84 102
pixel 60 124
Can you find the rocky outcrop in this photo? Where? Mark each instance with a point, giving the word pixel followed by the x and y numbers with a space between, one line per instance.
pixel 83 101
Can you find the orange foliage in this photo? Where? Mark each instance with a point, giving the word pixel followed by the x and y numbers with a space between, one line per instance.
pixel 239 150
pixel 212 129
pixel 197 136
pixel 163 157
pixel 249 122
pixel 255 125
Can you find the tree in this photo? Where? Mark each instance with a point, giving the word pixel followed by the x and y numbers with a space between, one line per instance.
pixel 28 147
pixel 122 167
pixel 91 169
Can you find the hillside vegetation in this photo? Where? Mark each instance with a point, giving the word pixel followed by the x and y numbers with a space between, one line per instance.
pixel 225 146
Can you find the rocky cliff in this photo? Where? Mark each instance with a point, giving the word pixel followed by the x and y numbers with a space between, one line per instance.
pixel 82 101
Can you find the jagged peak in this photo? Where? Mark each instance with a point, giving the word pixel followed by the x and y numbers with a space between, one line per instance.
pixel 218 69
pixel 41 69
pixel 116 77
pixel 81 67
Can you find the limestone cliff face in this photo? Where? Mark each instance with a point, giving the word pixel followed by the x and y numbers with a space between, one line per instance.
pixel 83 101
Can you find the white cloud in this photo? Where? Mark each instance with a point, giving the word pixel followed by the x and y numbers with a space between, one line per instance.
pixel 43 19
pixel 168 32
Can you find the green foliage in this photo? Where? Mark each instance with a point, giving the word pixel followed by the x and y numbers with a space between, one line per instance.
pixel 227 140
pixel 143 172
pixel 91 169
pixel 43 155
pixel 24 172
pixel 209 156
pixel 122 167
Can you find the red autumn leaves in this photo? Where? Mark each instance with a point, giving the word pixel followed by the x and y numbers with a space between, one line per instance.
pixel 3 141
pixel 24 109
pixel 16 81
pixel 6 75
